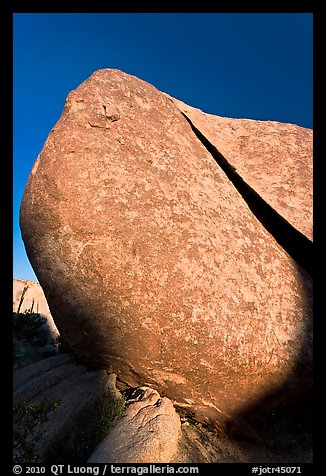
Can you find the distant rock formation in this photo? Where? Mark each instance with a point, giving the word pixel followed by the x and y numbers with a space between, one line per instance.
pixel 29 296
pixel 155 266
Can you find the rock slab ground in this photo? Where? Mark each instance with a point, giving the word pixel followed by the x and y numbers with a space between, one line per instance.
pixel 151 430
pixel 58 379
pixel 148 433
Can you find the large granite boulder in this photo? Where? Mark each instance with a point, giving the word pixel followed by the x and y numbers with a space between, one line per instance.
pixel 153 264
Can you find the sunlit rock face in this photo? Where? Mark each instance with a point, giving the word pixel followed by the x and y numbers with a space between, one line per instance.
pixel 153 265
pixel 275 159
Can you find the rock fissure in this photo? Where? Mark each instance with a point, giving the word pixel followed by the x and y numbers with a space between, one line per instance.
pixel 142 410
pixel 95 126
pixel 289 238
pixel 151 420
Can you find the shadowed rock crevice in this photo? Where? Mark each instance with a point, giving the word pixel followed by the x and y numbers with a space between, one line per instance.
pixel 292 241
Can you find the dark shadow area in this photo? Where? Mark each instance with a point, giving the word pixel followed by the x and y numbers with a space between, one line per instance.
pixel 283 418
pixel 289 238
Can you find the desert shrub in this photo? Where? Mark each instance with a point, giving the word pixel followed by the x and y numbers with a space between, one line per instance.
pixel 25 432
pixel 27 356
pixel 30 338
pixel 27 324
pixel 88 429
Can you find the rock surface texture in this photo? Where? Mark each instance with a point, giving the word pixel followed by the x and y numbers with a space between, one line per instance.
pixel 153 264
pixel 148 433
pixel 275 159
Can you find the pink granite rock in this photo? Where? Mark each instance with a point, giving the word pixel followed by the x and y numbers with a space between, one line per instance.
pixel 152 263
pixel 275 159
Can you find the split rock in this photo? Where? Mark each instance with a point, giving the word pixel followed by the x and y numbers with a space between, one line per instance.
pixel 274 158
pixel 152 264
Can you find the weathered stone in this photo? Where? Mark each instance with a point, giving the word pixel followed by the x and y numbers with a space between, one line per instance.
pixel 23 377
pixel 275 159
pixel 58 379
pixel 148 433
pixel 153 265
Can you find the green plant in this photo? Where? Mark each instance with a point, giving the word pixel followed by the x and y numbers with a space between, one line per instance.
pixel 25 433
pixel 27 324
pixel 31 341
pixel 88 428
pixel 27 356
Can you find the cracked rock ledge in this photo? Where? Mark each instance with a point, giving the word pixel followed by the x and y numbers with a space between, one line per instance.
pixel 149 432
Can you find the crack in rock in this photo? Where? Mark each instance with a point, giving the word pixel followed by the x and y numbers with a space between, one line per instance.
pixel 297 245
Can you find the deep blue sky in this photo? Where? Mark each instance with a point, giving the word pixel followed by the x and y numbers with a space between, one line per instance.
pixel 256 66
